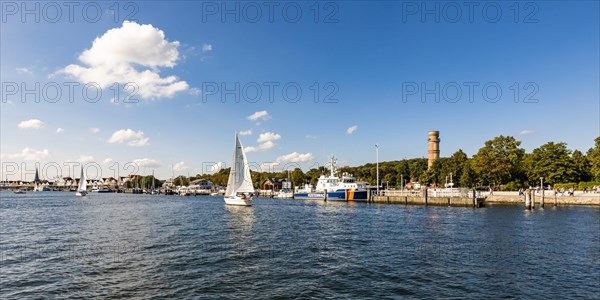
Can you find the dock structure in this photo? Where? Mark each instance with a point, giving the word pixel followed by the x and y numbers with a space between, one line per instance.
pixel 442 197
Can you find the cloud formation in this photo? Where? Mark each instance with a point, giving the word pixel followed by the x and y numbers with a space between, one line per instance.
pixel 29 154
pixel 132 138
pixel 268 136
pixel 114 57
pixel 259 115
pixel 246 132
pixel 207 48
pixel 296 157
pixel 180 166
pixel 147 163
pixel 31 124
pixel 351 129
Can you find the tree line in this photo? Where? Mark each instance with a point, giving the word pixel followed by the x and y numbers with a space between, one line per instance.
pixel 500 164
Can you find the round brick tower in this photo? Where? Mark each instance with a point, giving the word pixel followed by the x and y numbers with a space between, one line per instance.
pixel 434 147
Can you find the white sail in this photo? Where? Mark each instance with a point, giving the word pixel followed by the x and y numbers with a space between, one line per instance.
pixel 240 180
pixel 82 182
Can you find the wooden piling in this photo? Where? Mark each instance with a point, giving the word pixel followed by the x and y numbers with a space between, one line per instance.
pixel 542 202
pixel 426 192
pixel 527 199
pixel 555 200
pixel 325 199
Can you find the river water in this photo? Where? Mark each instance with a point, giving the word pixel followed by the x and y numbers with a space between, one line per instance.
pixel 54 244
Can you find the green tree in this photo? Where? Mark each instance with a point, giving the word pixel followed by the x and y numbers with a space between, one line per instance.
pixel 582 166
pixel 594 159
pixel 454 165
pixel 499 161
pixel 298 177
pixel 402 173
pixel 468 177
pixel 553 162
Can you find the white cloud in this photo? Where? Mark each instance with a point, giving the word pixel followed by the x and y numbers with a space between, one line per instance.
pixel 262 147
pixel 132 138
pixel 107 161
pixel 351 129
pixel 59 130
pixel 265 141
pixel 94 130
pixel 31 124
pixel 30 154
pixel 246 132
pixel 114 56
pixel 259 115
pixel 85 158
pixel 311 137
pixel 296 157
pixel 207 48
pixel 268 136
pixel 180 166
pixel 23 70
pixel 146 162
pixel 526 132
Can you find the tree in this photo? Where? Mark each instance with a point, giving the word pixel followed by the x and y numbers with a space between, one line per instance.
pixel 500 161
pixel 298 178
pixel 468 177
pixel 455 165
pixel 582 166
pixel 594 159
pixel 553 162
pixel 402 173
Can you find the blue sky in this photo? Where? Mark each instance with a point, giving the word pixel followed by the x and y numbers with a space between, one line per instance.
pixel 366 57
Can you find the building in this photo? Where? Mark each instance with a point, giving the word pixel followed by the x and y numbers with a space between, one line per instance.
pixel 434 147
pixel 274 184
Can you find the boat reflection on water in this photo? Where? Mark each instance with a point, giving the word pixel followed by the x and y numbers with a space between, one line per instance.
pixel 240 221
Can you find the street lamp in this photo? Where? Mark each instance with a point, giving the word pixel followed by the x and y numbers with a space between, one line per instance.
pixel 377 160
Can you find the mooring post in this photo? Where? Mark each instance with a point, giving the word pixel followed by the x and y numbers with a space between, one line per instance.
pixel 555 200
pixel 426 189
pixel 528 199
pixel 533 199
pixel 474 197
pixel 542 191
pixel 325 198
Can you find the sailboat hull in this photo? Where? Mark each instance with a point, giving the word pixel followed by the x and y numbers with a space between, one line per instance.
pixel 81 194
pixel 238 201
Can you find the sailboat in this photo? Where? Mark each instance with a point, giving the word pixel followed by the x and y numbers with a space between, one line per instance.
pixel 38 183
pixel 82 188
pixel 239 186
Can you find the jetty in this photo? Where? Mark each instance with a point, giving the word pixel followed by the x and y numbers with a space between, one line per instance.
pixel 455 197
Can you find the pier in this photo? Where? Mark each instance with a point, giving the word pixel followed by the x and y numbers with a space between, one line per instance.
pixel 441 197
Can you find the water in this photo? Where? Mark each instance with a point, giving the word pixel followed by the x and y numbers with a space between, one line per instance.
pixel 140 246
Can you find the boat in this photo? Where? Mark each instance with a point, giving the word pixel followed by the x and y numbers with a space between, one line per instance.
pixel 19 192
pixel 104 190
pixel 95 189
pixel 285 193
pixel 239 185
pixel 334 187
pixel 82 188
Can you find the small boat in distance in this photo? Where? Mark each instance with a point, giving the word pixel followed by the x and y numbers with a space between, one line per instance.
pixel 19 192
pixel 82 188
pixel 239 186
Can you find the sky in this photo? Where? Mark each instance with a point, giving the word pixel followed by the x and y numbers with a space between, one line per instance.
pixel 163 86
